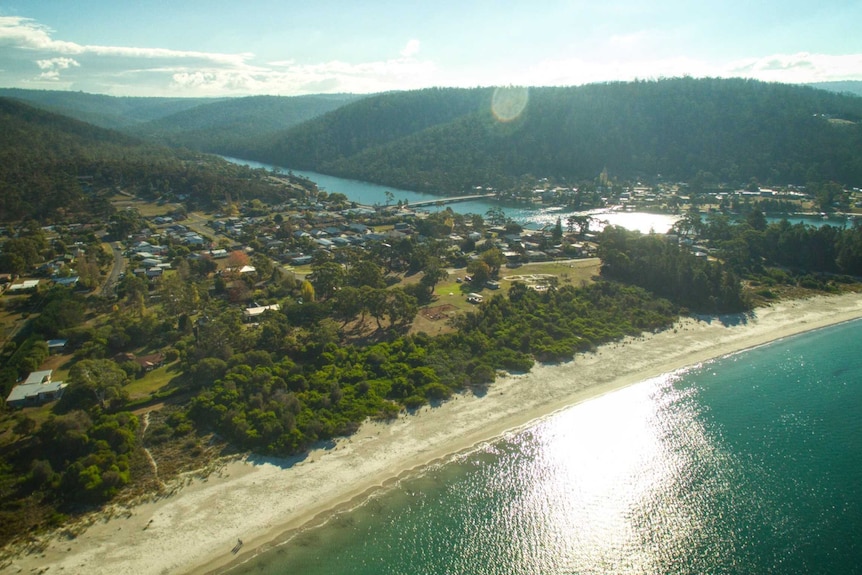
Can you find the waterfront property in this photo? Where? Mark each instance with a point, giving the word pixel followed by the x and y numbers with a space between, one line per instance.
pixel 36 390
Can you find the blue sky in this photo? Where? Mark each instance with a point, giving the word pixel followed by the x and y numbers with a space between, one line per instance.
pixel 220 48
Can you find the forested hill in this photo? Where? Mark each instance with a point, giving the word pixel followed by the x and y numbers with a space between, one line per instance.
pixel 226 126
pixel 57 169
pixel 447 140
pixel 229 127
pixel 112 112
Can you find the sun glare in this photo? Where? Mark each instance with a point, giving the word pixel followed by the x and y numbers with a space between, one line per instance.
pixel 509 102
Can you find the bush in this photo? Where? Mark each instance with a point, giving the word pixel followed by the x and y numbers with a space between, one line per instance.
pixel 414 402
pixel 767 294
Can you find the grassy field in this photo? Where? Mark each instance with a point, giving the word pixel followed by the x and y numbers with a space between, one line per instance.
pixel 153 381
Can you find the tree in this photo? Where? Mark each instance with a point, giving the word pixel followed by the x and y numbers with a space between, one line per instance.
pixel 581 222
pixel 97 382
pixel 433 274
pixel 237 260
pixel 24 425
pixel 125 223
pixel 307 291
pixel 494 259
pixel 365 273
pixel 348 303
pixel 375 301
pixel 401 307
pixel 496 216
pixel 19 255
pixel 327 278
pixel 557 232
pixel 479 272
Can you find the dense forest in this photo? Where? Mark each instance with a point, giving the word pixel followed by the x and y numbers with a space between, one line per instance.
pixel 116 113
pixel 226 126
pixel 230 127
pixel 57 169
pixel 448 140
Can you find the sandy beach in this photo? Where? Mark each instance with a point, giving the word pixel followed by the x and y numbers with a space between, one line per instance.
pixel 194 529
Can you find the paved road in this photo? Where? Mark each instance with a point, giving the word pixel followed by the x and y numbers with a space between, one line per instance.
pixel 110 285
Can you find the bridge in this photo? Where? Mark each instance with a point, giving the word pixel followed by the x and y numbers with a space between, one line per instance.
pixel 449 200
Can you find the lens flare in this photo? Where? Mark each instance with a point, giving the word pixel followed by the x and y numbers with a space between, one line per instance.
pixel 509 102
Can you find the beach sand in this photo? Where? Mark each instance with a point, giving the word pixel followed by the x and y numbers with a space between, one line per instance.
pixel 195 529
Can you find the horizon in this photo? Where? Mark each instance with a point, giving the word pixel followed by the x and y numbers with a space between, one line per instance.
pixel 220 49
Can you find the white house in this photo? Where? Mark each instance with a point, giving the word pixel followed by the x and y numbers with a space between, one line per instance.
pixel 251 313
pixel 36 390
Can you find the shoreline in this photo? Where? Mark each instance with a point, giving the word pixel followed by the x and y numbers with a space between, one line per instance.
pixel 264 500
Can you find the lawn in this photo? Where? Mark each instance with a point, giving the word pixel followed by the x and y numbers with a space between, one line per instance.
pixel 153 381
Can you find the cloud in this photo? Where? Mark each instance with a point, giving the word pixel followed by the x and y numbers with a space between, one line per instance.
pixel 289 77
pixel 53 66
pixel 802 67
pixel 411 49
pixel 161 71
pixel 787 68
pixel 25 34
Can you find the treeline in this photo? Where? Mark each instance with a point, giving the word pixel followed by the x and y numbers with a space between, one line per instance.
pixel 56 169
pixel 754 244
pixel 447 140
pixel 661 265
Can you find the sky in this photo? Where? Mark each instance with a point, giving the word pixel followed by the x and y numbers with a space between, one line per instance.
pixel 209 48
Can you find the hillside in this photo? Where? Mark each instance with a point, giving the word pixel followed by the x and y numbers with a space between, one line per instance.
pixel 845 87
pixel 105 111
pixel 447 140
pixel 218 125
pixel 229 126
pixel 55 169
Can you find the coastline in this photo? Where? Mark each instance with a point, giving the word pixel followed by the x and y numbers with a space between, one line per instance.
pixel 258 500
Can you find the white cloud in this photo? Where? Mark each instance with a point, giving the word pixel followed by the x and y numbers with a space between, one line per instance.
pixel 801 67
pixel 124 69
pixel 787 68
pixel 411 49
pixel 53 66
pixel 25 34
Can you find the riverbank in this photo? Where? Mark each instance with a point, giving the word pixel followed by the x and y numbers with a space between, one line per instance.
pixel 195 529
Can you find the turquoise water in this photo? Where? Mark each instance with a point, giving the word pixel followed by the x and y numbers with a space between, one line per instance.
pixel 747 464
pixel 529 216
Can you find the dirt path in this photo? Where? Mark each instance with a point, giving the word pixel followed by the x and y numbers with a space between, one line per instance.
pixel 153 464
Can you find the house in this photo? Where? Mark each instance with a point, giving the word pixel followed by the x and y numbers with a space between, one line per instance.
pixel 57 345
pixel 36 390
pixel 474 298
pixel 28 285
pixel 146 362
pixel 150 362
pixel 301 260
pixel 67 282
pixel 251 313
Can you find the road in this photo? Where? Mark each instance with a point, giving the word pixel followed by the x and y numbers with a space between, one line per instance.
pixel 110 285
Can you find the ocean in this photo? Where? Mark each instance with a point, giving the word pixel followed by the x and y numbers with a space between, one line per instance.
pixel 751 463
